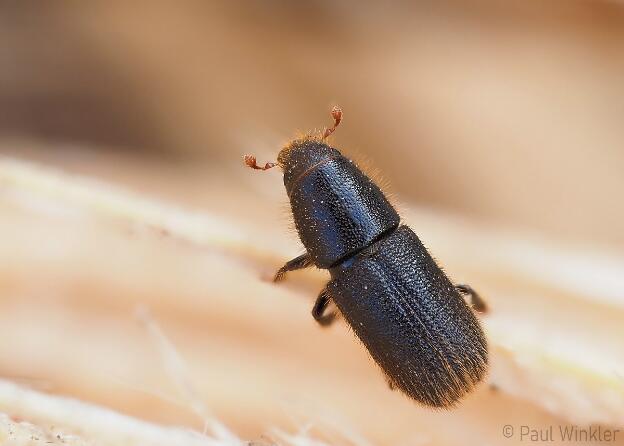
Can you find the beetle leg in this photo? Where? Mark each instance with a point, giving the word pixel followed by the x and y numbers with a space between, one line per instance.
pixel 318 311
pixel 390 383
pixel 303 261
pixel 476 301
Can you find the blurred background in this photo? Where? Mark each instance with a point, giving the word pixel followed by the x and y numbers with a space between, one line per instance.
pixel 505 115
pixel 508 112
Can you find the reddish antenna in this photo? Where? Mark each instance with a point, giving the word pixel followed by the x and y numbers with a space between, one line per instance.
pixel 250 161
pixel 337 115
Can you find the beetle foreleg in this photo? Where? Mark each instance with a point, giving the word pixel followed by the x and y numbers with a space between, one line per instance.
pixel 303 261
pixel 476 301
pixel 318 311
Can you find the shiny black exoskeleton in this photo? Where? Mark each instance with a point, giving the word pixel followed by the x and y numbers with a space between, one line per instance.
pixel 398 301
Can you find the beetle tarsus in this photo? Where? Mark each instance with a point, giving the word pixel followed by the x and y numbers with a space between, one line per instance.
pixel 318 311
pixel 476 301
pixel 301 262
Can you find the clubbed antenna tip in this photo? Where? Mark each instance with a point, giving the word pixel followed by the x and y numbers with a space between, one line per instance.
pixel 336 113
pixel 250 161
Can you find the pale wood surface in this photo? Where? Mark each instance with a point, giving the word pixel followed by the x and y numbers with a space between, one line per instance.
pixel 81 257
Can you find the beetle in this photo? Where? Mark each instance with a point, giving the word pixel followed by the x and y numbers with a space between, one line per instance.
pixel 401 305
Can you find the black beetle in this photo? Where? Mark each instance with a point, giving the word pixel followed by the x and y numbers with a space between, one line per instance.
pixel 398 301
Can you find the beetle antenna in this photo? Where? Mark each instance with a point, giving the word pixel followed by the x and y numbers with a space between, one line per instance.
pixel 337 115
pixel 250 161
